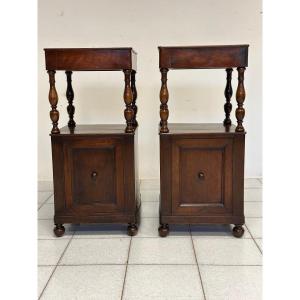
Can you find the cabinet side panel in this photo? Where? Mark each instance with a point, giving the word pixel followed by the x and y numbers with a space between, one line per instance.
pixel 129 174
pixel 136 170
pixel 58 174
pixel 165 175
pixel 238 175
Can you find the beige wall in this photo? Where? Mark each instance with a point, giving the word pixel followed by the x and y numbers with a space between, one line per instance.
pixel 195 96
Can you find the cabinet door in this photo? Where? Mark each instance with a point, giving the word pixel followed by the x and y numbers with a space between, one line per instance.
pixel 202 176
pixel 94 175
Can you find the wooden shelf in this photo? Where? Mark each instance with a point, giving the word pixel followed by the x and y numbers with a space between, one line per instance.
pixel 201 128
pixel 93 129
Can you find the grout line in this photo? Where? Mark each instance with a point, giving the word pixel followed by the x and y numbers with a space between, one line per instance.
pixel 55 267
pixel 53 239
pixel 149 264
pixel 253 239
pixel 202 285
pixel 149 201
pixel 126 269
pixel 253 201
pixel 44 202
pixel 124 237
pixel 253 188
pixel 220 265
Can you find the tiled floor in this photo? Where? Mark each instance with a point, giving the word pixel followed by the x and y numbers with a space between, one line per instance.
pixel 194 262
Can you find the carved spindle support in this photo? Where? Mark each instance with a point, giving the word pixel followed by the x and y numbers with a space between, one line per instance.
pixel 128 98
pixel 134 97
pixel 70 97
pixel 240 97
pixel 228 95
pixel 53 99
pixel 164 97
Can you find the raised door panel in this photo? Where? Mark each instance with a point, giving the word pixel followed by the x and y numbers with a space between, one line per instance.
pixel 94 176
pixel 202 176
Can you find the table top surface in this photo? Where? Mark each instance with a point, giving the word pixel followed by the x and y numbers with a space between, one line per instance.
pixel 203 46
pixel 91 59
pixel 203 57
pixel 92 49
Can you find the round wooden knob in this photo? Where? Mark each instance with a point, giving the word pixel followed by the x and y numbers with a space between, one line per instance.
pixel 94 175
pixel 201 175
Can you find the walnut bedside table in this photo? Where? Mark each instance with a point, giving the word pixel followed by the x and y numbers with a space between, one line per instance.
pixel 202 165
pixel 94 166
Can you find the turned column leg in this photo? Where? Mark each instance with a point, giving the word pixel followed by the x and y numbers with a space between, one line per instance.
pixel 59 230
pixel 228 95
pixel 164 97
pixel 240 97
pixel 128 98
pixel 238 231
pixel 163 230
pixel 134 97
pixel 53 99
pixel 70 97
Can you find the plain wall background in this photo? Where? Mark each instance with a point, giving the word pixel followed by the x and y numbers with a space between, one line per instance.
pixel 195 95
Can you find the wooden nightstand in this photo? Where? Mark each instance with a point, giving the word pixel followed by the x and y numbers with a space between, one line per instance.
pixel 94 166
pixel 202 165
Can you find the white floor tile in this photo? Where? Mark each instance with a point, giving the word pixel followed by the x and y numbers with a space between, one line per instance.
pixel 148 228
pixel 232 282
pixel 162 251
pixel 213 231
pixel 46 212
pixel 260 243
pixel 255 226
pixel 90 231
pixel 227 251
pixel 252 183
pixel 162 283
pixel 149 209
pixel 45 185
pixel 149 184
pixel 45 230
pixel 253 209
pixel 85 282
pixel 50 251
pixel 43 196
pixel 150 195
pixel 253 195
pixel 96 251
pixel 50 200
pixel 44 274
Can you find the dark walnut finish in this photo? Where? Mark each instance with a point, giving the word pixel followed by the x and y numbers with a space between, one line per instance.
pixel 90 59
pixel 70 97
pixel 202 165
pixel 94 166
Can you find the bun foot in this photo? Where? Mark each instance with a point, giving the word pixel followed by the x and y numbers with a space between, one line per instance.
pixel 59 230
pixel 238 231
pixel 132 229
pixel 163 230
